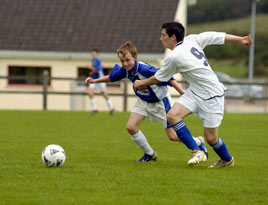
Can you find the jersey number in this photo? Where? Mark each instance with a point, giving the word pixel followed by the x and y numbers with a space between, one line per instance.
pixel 199 55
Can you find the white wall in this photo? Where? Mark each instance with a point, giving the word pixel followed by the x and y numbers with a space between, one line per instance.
pixel 59 68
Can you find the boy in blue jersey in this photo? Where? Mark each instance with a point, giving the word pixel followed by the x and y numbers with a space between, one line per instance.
pixel 97 72
pixel 153 101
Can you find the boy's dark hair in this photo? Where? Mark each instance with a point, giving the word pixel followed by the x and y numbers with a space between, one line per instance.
pixel 95 49
pixel 174 28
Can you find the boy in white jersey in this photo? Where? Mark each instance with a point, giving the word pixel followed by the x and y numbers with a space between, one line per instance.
pixel 205 96
pixel 153 101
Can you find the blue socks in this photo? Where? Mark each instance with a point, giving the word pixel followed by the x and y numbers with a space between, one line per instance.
pixel 221 150
pixel 184 135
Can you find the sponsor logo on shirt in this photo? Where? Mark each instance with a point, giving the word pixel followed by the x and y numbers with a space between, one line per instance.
pixel 143 91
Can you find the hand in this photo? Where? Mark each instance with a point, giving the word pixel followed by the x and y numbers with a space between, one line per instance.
pixel 138 84
pixel 89 80
pixel 247 40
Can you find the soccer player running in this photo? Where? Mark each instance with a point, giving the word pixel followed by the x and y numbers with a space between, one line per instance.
pixel 205 96
pixel 153 101
pixel 97 72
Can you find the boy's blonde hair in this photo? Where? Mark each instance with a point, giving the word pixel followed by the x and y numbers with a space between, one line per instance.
pixel 127 47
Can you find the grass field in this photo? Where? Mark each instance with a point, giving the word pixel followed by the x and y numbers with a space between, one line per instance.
pixel 101 166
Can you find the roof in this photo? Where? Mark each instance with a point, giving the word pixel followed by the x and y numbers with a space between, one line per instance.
pixel 80 25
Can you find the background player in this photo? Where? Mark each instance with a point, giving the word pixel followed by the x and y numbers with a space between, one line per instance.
pixel 97 72
pixel 205 96
pixel 153 101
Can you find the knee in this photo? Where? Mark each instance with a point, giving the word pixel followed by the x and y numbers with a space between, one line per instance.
pixel 210 138
pixel 173 117
pixel 132 129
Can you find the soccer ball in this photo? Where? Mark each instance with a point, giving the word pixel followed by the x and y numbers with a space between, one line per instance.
pixel 53 155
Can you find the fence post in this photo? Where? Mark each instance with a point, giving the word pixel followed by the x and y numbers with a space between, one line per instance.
pixel 125 95
pixel 45 83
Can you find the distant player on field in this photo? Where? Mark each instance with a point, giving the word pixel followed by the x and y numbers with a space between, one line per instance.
pixel 97 72
pixel 205 96
pixel 153 101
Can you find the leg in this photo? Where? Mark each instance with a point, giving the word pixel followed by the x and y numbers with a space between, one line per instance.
pixel 134 122
pixel 139 138
pixel 175 117
pixel 108 102
pixel 104 94
pixel 177 113
pixel 172 135
pixel 90 92
pixel 211 136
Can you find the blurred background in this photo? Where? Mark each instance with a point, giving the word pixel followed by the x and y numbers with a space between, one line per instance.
pixel 45 48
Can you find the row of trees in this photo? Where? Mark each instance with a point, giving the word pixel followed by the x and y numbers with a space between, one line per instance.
pixel 219 10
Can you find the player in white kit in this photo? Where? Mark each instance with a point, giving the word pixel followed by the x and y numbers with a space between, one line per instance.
pixel 205 96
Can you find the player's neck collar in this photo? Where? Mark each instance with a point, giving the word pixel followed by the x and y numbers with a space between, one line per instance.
pixel 177 44
pixel 136 66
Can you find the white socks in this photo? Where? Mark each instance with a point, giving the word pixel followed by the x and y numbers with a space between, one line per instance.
pixel 141 141
pixel 93 104
pixel 109 104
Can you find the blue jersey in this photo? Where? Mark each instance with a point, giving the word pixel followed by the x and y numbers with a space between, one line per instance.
pixel 150 94
pixel 96 63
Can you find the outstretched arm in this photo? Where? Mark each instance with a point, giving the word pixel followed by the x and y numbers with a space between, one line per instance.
pixel 149 81
pixel 103 79
pixel 177 86
pixel 245 40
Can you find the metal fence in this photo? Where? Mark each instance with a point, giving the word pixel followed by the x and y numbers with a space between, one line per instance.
pixel 240 97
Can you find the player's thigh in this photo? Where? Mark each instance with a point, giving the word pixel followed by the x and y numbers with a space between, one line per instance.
pixel 90 91
pixel 177 112
pixel 134 122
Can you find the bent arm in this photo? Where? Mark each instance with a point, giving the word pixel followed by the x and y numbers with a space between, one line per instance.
pixel 149 81
pixel 245 40
pixel 177 86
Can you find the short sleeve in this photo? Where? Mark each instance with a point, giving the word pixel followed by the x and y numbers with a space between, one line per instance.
pixel 97 64
pixel 168 69
pixel 118 73
pixel 208 38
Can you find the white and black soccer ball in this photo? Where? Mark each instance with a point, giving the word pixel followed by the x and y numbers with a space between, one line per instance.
pixel 53 155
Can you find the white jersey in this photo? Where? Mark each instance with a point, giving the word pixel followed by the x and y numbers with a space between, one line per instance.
pixel 188 59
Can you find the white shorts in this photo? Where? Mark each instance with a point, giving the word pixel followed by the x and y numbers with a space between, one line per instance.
pixel 100 86
pixel 155 112
pixel 210 111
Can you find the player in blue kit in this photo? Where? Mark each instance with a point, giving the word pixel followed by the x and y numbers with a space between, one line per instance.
pixel 97 72
pixel 153 101
pixel 205 96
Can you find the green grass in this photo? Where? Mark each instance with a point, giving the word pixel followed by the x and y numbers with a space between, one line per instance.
pixel 241 25
pixel 101 166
